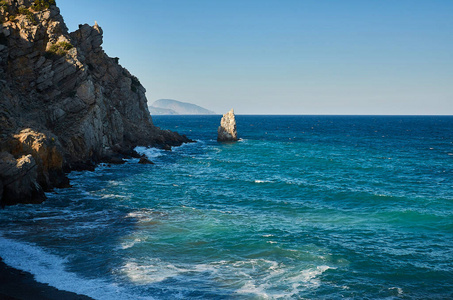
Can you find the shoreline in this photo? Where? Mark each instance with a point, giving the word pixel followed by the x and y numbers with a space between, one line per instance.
pixel 17 285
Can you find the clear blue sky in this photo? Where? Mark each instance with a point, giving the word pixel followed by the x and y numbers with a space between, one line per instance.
pixel 283 56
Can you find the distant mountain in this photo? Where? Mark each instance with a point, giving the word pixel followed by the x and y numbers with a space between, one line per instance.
pixel 174 107
pixel 161 111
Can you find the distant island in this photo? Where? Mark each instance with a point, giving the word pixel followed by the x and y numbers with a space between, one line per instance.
pixel 174 107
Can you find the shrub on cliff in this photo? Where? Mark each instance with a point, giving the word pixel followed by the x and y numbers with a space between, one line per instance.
pixel 59 49
pixel 3 5
pixel 42 4
pixel 29 14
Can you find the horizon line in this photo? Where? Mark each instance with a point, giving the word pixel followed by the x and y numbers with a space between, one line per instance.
pixel 371 115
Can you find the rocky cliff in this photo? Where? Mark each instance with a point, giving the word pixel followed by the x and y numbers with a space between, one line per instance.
pixel 64 104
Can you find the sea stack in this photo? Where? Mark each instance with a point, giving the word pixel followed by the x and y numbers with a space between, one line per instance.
pixel 227 129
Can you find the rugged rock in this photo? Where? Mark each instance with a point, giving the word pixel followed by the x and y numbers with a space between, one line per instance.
pixel 64 104
pixel 46 152
pixel 227 129
pixel 19 180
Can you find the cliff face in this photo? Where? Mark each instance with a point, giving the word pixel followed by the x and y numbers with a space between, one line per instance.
pixel 64 104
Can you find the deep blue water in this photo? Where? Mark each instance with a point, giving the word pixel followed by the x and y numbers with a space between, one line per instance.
pixel 303 207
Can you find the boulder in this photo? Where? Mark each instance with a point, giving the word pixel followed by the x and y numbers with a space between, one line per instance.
pixel 46 154
pixel 19 180
pixel 227 130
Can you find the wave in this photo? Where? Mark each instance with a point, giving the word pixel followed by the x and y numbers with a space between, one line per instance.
pixel 294 284
pixel 251 277
pixel 263 181
pixel 50 269
pixel 150 152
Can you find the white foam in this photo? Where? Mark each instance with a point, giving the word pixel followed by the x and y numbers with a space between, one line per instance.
pixel 398 290
pixel 113 196
pixel 262 181
pixel 306 279
pixel 152 272
pixel 150 152
pixel 189 145
pixel 130 243
pixel 50 269
pixel 251 288
pixel 262 278
pixel 144 215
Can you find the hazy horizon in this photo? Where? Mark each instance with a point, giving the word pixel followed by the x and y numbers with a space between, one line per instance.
pixel 285 58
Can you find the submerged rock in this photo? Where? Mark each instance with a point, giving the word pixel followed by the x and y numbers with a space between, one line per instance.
pixel 227 130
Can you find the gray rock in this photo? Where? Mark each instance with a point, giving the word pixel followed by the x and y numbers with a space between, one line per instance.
pixel 227 130
pixel 40 62
pixel 86 92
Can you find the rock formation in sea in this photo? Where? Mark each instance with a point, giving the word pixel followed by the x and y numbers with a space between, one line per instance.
pixel 64 103
pixel 227 129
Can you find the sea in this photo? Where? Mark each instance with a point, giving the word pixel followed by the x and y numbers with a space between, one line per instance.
pixel 301 207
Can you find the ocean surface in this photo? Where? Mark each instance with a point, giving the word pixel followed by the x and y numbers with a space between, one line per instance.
pixel 302 207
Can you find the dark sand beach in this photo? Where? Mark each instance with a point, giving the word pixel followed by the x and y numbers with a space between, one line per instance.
pixel 17 284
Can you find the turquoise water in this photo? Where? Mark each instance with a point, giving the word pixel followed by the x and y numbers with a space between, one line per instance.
pixel 303 207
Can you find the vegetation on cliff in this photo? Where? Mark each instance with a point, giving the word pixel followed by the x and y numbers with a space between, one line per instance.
pixel 58 49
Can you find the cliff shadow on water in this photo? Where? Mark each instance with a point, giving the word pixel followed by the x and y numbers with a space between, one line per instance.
pixel 64 103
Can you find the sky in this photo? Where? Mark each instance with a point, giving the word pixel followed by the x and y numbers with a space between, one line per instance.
pixel 283 56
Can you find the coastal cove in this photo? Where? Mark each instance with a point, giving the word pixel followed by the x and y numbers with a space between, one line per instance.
pixel 299 207
pixel 105 195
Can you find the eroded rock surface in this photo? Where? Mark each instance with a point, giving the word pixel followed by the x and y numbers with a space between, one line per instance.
pixel 64 103
pixel 19 180
pixel 227 130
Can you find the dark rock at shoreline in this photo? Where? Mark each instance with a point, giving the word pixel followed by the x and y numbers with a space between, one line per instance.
pixel 64 102
pixel 115 160
pixel 16 284
pixel 227 130
pixel 145 161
